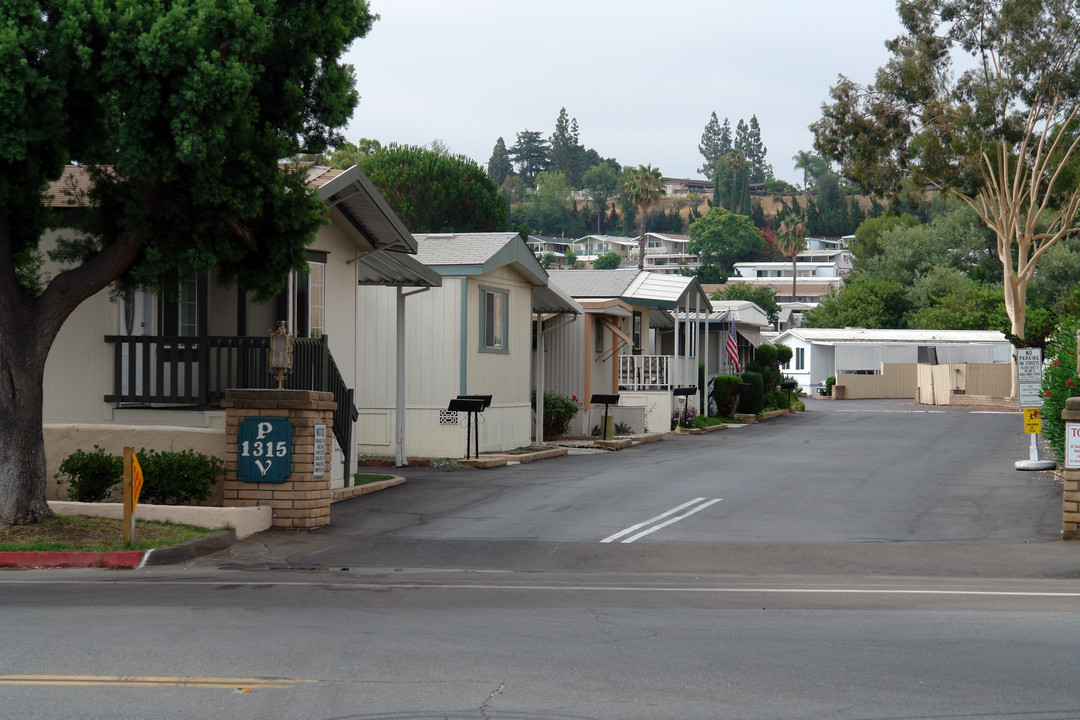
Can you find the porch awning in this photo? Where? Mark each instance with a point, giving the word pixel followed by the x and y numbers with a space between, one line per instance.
pixel 752 335
pixel 551 299
pixel 385 267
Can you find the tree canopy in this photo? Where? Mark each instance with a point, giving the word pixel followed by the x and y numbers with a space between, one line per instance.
pixel 434 192
pixel 181 113
pixel 723 238
pixel 1000 135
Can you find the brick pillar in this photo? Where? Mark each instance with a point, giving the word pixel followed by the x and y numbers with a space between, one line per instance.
pixel 302 500
pixel 1070 528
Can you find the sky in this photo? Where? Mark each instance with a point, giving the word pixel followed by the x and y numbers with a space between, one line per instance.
pixel 642 78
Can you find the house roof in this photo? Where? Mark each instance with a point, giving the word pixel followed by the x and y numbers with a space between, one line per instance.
pixel 593 283
pixel 638 287
pixel 870 335
pixel 480 253
pixel 354 200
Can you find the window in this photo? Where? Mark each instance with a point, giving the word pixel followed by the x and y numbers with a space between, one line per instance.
pixel 800 358
pixel 635 332
pixel 180 310
pixel 598 335
pixel 310 298
pixel 494 320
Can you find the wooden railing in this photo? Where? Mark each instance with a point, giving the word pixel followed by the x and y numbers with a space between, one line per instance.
pixel 656 372
pixel 156 371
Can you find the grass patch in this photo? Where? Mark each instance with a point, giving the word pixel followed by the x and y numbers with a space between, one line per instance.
pixel 78 533
pixel 367 478
pixel 704 421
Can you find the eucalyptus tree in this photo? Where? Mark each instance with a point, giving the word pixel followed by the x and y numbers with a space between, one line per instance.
pixel 1000 135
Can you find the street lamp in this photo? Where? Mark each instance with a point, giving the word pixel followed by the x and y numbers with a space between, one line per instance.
pixel 281 352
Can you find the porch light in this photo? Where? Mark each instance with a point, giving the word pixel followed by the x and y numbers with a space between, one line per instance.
pixel 281 352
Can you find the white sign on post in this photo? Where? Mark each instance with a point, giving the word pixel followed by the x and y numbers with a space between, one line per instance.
pixel 1072 446
pixel 320 450
pixel 1029 373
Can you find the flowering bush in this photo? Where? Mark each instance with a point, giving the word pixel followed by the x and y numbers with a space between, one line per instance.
pixel 685 419
pixel 1059 383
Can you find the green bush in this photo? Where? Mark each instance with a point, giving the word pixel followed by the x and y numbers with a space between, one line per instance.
pixel 1059 383
pixel 723 392
pixel 829 382
pixel 92 475
pixel 783 353
pixel 559 411
pixel 178 478
pixel 752 402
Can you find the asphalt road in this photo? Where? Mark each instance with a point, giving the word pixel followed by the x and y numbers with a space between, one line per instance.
pixel 864 560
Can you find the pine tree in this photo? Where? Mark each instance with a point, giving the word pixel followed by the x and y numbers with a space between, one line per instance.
pixel 741 143
pixel 530 154
pixel 725 145
pixel 499 166
pixel 756 151
pixel 710 146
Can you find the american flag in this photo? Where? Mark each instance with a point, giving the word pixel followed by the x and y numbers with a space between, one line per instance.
pixel 733 346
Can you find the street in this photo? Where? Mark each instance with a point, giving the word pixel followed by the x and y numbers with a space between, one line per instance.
pixel 866 559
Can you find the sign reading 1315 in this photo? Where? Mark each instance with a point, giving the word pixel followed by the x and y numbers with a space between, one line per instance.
pixel 264 449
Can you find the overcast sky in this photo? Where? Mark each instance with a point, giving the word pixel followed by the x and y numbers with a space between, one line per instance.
pixel 640 77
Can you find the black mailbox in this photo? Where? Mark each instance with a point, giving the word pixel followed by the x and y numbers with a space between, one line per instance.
pixel 605 400
pixel 788 385
pixel 684 391
pixel 473 405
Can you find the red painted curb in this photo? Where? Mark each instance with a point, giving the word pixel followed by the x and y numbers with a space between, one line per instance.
pixel 119 559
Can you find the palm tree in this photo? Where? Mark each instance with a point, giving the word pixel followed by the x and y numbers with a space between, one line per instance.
pixel 643 185
pixel 791 239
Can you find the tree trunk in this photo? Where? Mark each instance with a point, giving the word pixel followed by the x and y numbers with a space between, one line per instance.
pixel 22 443
pixel 1016 307
pixel 794 274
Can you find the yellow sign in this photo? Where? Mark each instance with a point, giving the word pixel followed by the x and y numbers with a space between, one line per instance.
pixel 136 480
pixel 1032 421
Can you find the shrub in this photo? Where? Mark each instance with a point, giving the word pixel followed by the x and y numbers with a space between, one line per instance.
pixel 559 411
pixel 829 382
pixel 1059 383
pixel 178 478
pixel 723 392
pixel 752 402
pixel 623 429
pixel 783 353
pixel 92 475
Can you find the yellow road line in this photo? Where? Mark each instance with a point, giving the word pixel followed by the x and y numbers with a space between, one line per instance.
pixel 134 681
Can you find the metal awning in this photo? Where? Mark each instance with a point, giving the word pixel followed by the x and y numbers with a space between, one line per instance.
pixel 551 299
pixel 385 267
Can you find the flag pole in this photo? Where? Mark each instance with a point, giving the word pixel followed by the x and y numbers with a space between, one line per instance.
pixel 129 498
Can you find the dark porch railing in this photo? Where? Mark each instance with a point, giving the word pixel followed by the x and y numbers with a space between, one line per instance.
pixel 196 371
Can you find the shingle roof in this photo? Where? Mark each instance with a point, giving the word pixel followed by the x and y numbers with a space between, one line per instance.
pixel 594 283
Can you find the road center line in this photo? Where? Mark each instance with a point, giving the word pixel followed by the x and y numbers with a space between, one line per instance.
pixel 659 517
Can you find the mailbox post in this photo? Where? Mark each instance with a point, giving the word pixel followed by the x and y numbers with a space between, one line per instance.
pixel 607 427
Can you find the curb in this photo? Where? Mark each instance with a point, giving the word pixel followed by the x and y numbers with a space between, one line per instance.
pixel 122 559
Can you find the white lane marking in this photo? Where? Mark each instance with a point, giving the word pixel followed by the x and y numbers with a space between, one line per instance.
pixel 659 517
pixel 565 588
pixel 640 525
pixel 893 412
pixel 676 519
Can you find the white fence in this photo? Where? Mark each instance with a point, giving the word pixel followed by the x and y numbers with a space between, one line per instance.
pixel 656 372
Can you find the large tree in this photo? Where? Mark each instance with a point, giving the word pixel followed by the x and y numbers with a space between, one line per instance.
pixel 643 186
pixel 499 166
pixel 722 238
pixel 181 112
pixel 601 182
pixel 434 192
pixel 531 155
pixel 1000 135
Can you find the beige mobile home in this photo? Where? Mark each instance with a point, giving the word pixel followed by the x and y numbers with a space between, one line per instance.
pixel 616 347
pixel 150 372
